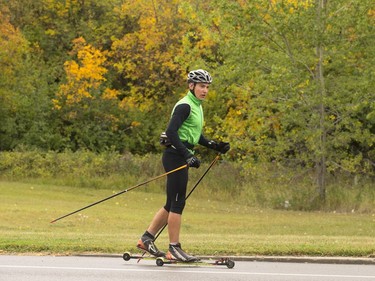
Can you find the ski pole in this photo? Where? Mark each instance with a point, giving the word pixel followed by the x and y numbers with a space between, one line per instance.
pixel 191 191
pixel 119 193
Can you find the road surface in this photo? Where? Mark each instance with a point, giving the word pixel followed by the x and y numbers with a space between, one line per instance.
pixel 74 268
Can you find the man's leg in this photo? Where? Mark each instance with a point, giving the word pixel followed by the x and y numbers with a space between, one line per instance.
pixel 174 225
pixel 159 220
pixel 175 251
pixel 146 242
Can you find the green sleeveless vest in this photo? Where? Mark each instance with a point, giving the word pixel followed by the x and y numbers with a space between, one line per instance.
pixel 191 130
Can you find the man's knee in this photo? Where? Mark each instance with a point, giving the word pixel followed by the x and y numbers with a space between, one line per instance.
pixel 178 207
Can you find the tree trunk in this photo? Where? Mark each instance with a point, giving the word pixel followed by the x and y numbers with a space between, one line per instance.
pixel 321 91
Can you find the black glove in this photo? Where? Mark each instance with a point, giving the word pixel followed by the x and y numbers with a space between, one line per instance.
pixel 164 140
pixel 193 162
pixel 221 147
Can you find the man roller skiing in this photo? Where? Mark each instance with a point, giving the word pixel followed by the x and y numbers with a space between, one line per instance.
pixel 184 131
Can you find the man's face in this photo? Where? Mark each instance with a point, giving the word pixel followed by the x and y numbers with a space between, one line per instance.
pixel 200 90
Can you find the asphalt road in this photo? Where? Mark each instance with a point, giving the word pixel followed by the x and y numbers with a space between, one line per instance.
pixel 73 268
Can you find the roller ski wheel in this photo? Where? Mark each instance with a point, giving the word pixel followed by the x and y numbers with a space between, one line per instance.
pixel 230 263
pixel 159 261
pixel 126 256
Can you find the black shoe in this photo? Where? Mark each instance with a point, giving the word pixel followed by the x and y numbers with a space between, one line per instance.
pixel 148 245
pixel 176 253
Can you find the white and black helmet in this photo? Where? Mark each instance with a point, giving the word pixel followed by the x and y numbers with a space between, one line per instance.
pixel 199 76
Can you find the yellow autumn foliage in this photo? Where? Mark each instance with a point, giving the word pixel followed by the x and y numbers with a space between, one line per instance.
pixel 83 76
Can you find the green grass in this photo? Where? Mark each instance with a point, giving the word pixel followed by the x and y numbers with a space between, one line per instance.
pixel 209 226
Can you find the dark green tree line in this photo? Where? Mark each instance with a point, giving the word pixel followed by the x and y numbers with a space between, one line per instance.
pixel 293 80
pixel 299 75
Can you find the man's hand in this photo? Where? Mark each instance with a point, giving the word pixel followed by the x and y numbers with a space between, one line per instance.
pixel 223 147
pixel 193 162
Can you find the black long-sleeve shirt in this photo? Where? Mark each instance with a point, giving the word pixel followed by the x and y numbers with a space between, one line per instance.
pixel 180 114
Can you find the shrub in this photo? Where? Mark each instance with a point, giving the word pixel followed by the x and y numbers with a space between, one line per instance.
pixel 267 185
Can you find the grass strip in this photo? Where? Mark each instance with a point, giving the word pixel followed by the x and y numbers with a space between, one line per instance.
pixel 209 227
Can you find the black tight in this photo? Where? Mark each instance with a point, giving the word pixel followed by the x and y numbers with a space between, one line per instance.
pixel 176 182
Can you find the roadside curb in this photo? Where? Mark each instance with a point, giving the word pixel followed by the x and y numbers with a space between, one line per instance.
pixel 290 259
pixel 326 260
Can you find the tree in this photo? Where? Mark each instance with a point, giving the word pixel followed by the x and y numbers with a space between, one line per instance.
pixel 283 63
pixel 152 59
pixel 90 112
pixel 23 93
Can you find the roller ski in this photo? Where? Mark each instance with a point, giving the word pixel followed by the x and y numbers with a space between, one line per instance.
pixel 160 261
pixel 176 255
pixel 197 262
